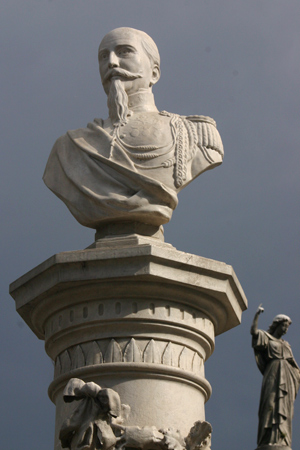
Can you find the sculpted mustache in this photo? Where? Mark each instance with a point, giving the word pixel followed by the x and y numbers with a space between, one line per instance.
pixel 123 73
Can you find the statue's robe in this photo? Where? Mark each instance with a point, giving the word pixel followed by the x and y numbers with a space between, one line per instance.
pixel 104 176
pixel 281 378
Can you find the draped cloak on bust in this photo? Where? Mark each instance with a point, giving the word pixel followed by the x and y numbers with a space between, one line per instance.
pixel 102 180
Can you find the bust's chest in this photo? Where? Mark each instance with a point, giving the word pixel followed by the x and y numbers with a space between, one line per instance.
pixel 147 129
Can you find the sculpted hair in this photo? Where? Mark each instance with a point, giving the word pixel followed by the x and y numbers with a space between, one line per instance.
pixel 277 320
pixel 150 48
pixel 117 102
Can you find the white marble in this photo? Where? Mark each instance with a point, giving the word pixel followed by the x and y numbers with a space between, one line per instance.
pixel 134 315
pixel 98 421
pixel 132 165
pixel 130 317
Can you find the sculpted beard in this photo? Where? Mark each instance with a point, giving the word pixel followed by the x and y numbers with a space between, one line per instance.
pixel 117 100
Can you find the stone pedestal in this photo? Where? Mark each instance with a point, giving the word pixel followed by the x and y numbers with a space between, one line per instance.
pixel 136 315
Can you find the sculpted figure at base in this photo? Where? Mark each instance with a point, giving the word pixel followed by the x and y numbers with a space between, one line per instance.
pixel 89 426
pixel 281 379
pixel 130 166
pixel 98 424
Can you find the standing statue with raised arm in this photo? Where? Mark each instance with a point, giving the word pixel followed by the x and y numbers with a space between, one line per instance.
pixel 281 379
pixel 130 166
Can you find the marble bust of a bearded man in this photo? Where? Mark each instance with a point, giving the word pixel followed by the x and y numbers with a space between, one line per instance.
pixel 130 166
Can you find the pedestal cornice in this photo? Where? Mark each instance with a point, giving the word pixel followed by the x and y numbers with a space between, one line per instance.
pixel 150 264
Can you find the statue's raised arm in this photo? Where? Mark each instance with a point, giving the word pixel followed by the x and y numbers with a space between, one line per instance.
pixel 253 329
pixel 131 166
pixel 281 379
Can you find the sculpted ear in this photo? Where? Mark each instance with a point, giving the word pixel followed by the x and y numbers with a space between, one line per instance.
pixel 155 75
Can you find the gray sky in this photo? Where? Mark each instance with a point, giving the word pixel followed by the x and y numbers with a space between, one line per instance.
pixel 236 61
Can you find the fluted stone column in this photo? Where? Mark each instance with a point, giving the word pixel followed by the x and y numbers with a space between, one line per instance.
pixel 136 315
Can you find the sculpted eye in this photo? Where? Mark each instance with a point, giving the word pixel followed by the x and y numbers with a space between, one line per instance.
pixel 103 56
pixel 124 51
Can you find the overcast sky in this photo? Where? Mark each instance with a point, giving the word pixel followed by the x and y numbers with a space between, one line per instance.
pixel 236 61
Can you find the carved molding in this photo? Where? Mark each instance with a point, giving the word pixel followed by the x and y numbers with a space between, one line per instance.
pixel 151 353
pixel 131 351
pixel 168 311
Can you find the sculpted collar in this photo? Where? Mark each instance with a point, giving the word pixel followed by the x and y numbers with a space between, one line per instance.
pixel 143 100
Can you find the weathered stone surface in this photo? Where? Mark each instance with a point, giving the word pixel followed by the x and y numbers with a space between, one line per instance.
pixel 130 314
pixel 140 319
pixel 98 421
pixel 169 273
pixel 131 166
pixel 281 381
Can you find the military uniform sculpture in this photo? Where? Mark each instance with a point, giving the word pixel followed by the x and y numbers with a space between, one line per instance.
pixel 131 166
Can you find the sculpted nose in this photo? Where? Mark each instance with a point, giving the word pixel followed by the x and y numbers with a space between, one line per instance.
pixel 113 60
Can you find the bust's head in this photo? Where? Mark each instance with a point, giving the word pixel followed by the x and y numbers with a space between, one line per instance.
pixel 131 56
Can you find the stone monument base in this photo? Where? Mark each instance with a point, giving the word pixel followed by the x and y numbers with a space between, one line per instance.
pixel 135 315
